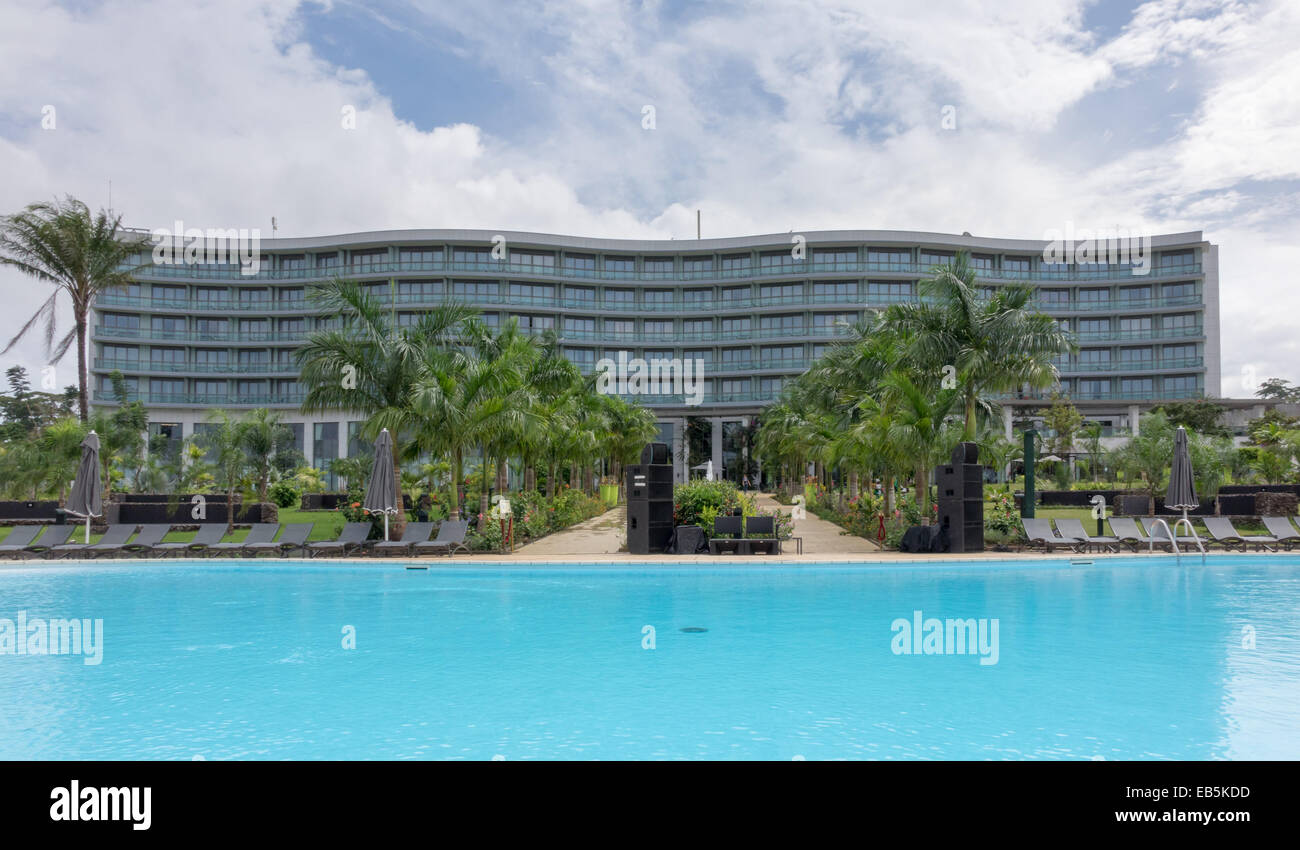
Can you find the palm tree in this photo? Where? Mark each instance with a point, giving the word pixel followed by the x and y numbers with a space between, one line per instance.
pixel 264 437
pixel 993 344
pixel 223 444
pixel 82 254
pixel 919 425
pixel 369 365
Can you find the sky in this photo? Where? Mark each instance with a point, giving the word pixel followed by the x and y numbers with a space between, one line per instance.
pixel 769 117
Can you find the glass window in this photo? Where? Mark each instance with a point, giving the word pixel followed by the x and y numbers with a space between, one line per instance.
pixel 1182 289
pixel 736 325
pixel 1170 259
pixel 1180 384
pixel 533 259
pixel 840 290
pixel 580 262
pixel 770 387
pixel 935 258
pixel 163 293
pixel 620 265
pixel 845 258
pixel 327 261
pixel 695 297
pixel 419 256
pixel 210 390
pixel 369 260
pixel 418 290
pixel 1094 387
pixel 534 323
pixel 658 298
pixel 734 356
pixel 1181 321
pixel 581 294
pixel 1094 355
pixel 209 357
pixel 697 327
pixel 1136 387
pixel 121 321
pixel 1136 355
pixel 579 324
pixel 888 290
pixel 1135 293
pixel 475 290
pixel 657 327
pixel 787 322
pixel 169 356
pixel 210 328
pixel 834 320
pixel 167 389
pixel 781 292
pixel 889 257
pixel 735 294
pixel 1094 326
pixel 1019 265
pixel 620 298
pixel 981 262
pixel 1094 296
pixel 471 257
pixel 583 358
pixel 775 261
pixel 531 292
pixel 657 267
pixel 618 326
pixel 777 354
pixel 167 326
pixel 121 353
pixel 1058 298
pixel 289 296
pixel 736 262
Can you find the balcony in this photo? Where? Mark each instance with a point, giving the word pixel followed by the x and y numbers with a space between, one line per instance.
pixel 205 399
pixel 507 269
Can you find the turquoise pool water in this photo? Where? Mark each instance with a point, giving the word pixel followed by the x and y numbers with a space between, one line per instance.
pixel 1124 658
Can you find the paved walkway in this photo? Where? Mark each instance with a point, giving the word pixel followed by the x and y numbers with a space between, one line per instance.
pixel 604 535
pixel 601 535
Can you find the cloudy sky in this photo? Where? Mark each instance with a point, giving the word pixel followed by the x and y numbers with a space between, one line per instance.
pixel 1162 116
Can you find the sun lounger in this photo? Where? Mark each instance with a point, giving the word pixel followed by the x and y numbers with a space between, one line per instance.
pixel 1223 532
pixel 727 530
pixel 260 532
pixel 1074 528
pixel 19 539
pixel 1282 530
pixel 55 535
pixel 415 532
pixel 352 537
pixel 767 544
pixel 208 534
pixel 113 540
pixel 451 536
pixel 1126 529
pixel 1041 531
pixel 293 537
pixel 150 536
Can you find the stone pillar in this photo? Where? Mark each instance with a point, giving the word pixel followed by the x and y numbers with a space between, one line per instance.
pixel 1007 414
pixel 1134 418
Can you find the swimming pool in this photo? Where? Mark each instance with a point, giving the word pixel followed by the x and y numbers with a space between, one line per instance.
pixel 1123 658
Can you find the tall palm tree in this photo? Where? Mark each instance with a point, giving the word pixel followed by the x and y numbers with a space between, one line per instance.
pixel 80 253
pixel 369 365
pixel 993 344
pixel 264 437
pixel 919 425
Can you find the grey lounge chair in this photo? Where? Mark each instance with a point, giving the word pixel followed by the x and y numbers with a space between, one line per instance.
pixel 294 536
pixel 19 539
pixel 150 536
pixel 768 544
pixel 1223 532
pixel 260 532
pixel 727 530
pixel 1281 529
pixel 415 532
pixel 352 537
pixel 451 536
pixel 1074 528
pixel 55 535
pixel 114 539
pixel 208 534
pixel 1041 531
pixel 1158 532
pixel 1126 529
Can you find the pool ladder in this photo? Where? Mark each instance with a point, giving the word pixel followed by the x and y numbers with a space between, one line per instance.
pixel 1172 534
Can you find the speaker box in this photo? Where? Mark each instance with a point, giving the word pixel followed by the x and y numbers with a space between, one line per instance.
pixel 649 526
pixel 649 483
pixel 656 453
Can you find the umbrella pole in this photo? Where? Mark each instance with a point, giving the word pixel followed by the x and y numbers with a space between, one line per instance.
pixel 87 531
pixel 385 526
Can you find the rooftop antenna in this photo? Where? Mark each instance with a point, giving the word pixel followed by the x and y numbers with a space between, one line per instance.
pixel 274 226
pixel 110 198
pixel 697 224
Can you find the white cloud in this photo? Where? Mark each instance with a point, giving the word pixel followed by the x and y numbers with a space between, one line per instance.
pixel 802 115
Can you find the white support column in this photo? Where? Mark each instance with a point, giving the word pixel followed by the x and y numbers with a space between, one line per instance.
pixel 1007 414
pixel 715 445
pixel 1133 419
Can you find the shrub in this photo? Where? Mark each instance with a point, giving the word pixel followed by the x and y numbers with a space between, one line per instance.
pixel 1000 514
pixel 284 494
pixel 721 498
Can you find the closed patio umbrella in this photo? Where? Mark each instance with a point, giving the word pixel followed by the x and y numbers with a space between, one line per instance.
pixel 1182 489
pixel 87 496
pixel 379 491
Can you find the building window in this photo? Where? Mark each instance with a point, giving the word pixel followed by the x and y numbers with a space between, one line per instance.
pixel 1132 294
pixel 475 290
pixel 620 298
pixel 584 264
pixel 254 328
pixel 1136 356
pixel 736 294
pixel 786 323
pixel 935 258
pixel 1054 298
pixel 1094 356
pixel 210 357
pixel 471 258
pixel 532 293
pixel 327 261
pixel 658 298
pixel 1015 266
pixel 579 325
pixel 419 290
pixel 657 328
pixel 697 327
pixel 580 294
pixel 737 325
pixel 842 290
pixel 210 328
pixel 836 258
pixel 166 389
pixel 533 260
pixel 534 323
pixel 210 391
pixel 1181 385
pixel 583 358
pixel 366 261
pixel 888 290
pixel 290 297
pixel 1094 297
pixel 1094 387
pixel 889 259
pixel 770 387
pixel 167 327
pixel 1136 387
pixel 419 258
pixel 619 327
pixel 657 268
pixel 1182 290
pixel 121 353
pixel 1173 259
pixel 1181 321
pixel 776 261
pixel 735 356
pixel 736 262
pixel 733 389
pixel 620 265
pixel 697 297
pixel 981 262
pixel 121 321
pixel 780 293
pixel 835 321
pixel 1094 326
pixel 161 293
pixel 775 355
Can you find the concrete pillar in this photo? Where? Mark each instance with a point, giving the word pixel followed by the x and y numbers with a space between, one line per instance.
pixel 715 445
pixel 1134 418
pixel 1006 421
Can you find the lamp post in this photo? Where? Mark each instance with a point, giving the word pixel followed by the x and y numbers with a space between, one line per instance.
pixel 1027 505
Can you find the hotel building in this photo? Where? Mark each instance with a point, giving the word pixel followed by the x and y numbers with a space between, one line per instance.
pixel 193 337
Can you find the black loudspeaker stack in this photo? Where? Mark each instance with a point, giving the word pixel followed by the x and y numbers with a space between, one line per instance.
pixel 961 499
pixel 650 501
